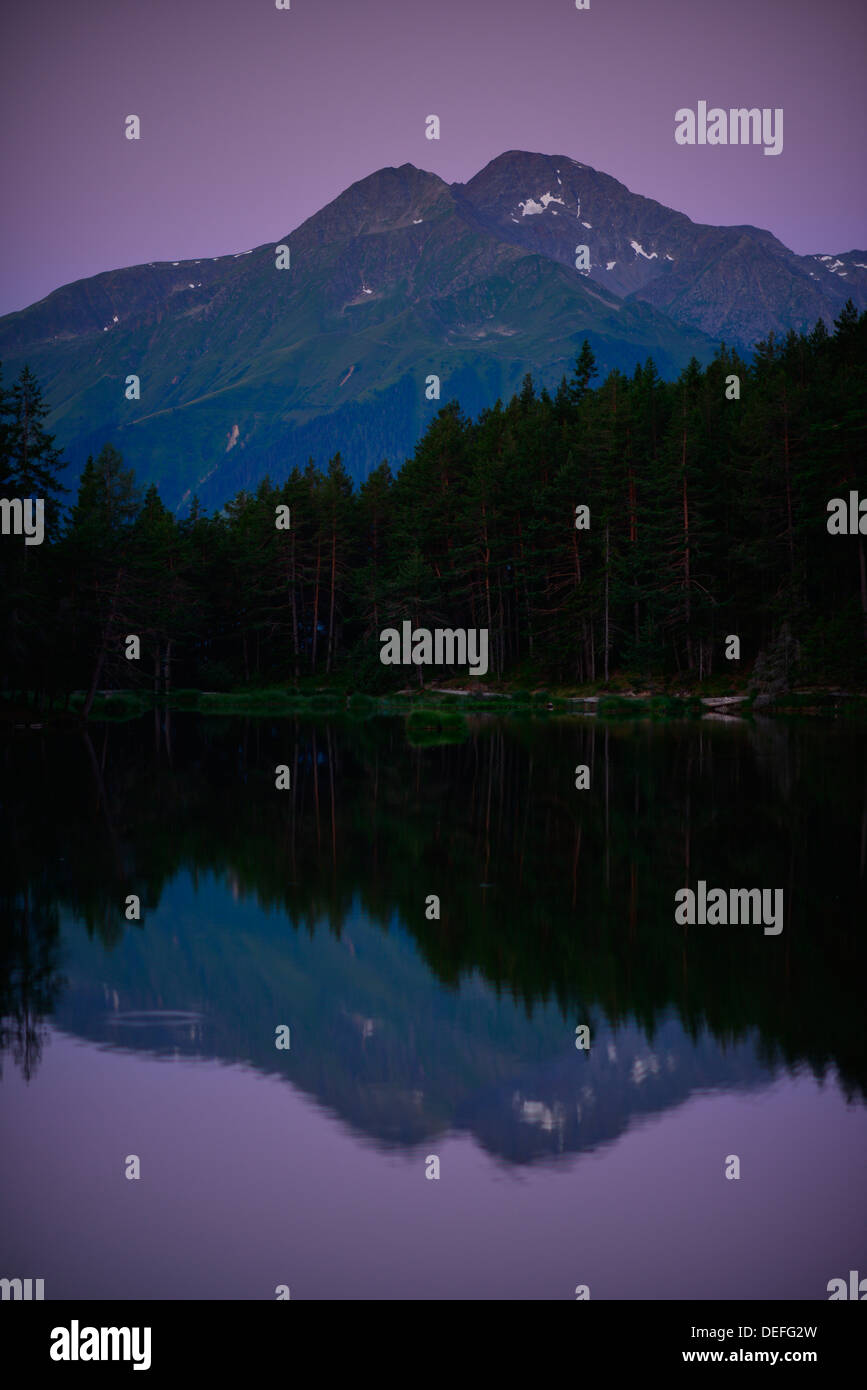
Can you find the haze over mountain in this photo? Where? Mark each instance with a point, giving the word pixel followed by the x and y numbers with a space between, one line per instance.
pixel 246 369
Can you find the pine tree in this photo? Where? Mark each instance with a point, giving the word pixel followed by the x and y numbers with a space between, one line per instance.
pixel 95 549
pixel 375 521
pixel 33 460
pixel 29 464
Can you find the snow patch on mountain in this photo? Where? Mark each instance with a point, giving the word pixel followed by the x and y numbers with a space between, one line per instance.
pixel 531 207
pixel 609 265
pixel 640 251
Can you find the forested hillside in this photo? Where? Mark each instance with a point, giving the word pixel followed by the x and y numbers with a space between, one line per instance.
pixel 708 516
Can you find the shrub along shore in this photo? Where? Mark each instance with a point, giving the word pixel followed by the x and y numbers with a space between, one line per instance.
pixel 435 710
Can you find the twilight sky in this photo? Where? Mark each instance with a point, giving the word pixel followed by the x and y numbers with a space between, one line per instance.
pixel 253 118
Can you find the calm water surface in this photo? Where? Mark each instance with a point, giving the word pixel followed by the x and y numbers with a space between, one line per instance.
pixel 411 1037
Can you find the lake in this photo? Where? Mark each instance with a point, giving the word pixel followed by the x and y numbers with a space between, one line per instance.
pixel 413 1038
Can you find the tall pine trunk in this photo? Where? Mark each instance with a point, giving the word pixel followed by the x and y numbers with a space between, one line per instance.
pixel 607 572
pixel 294 603
pixel 103 648
pixel 331 610
pixel 686 558
pixel 316 605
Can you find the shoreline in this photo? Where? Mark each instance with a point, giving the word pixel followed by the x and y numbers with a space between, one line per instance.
pixel 441 703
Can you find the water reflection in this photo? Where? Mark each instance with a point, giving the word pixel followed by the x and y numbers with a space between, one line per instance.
pixel 307 907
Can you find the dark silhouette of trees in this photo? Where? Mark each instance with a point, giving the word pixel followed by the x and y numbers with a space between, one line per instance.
pixel 708 517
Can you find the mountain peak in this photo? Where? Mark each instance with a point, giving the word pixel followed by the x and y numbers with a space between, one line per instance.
pixel 382 201
pixel 531 163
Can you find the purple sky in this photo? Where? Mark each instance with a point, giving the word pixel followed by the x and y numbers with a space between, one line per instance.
pixel 254 118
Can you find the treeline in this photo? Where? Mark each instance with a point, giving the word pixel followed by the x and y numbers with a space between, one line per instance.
pixel 707 517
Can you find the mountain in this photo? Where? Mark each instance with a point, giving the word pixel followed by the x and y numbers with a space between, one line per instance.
pixel 734 283
pixel 247 369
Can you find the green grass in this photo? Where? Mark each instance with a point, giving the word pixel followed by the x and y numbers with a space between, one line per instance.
pixel 184 699
pixel 657 707
pixel 264 702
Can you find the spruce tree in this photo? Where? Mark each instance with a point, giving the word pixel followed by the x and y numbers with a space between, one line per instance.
pixel 33 460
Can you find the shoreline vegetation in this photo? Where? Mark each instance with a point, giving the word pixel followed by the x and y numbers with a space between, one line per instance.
pixel 437 710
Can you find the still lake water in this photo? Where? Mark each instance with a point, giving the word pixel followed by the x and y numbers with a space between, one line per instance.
pixel 411 1037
